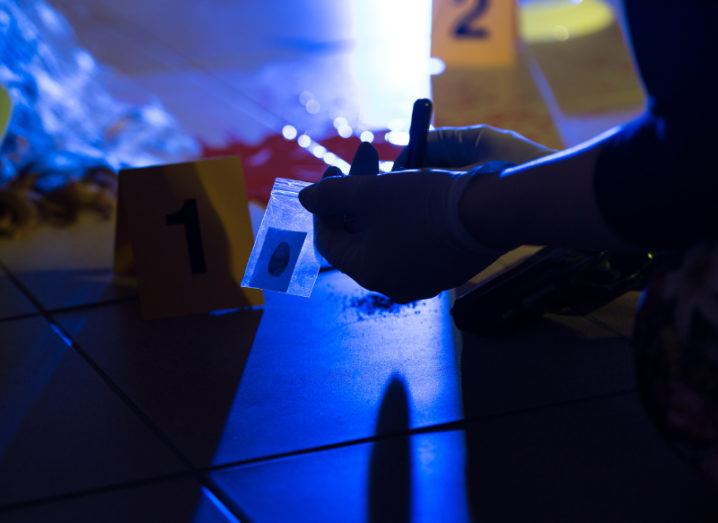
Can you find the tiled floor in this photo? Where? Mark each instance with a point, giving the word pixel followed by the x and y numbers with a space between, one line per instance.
pixel 13 303
pixel 178 500
pixel 327 409
pixel 590 461
pixel 64 430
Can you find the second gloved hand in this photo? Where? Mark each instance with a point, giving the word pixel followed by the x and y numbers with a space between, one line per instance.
pixel 398 233
pixel 466 147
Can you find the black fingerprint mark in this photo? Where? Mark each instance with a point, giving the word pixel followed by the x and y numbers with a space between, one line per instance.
pixel 280 259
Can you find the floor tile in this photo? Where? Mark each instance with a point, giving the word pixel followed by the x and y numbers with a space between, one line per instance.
pixel 592 461
pixel 552 360
pixel 620 314
pixel 178 501
pixel 63 429
pixel 313 372
pixel 66 267
pixel 345 364
pixel 400 479
pixel 12 301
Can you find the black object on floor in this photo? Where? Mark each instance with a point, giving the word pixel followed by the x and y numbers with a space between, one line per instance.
pixel 553 280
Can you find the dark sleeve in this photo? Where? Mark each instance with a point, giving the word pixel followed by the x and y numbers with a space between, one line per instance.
pixel 656 179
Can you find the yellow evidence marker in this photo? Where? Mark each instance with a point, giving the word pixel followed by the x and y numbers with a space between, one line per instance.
pixel 475 33
pixel 5 111
pixel 184 231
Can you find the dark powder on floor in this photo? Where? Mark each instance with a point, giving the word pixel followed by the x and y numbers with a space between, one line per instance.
pixel 377 304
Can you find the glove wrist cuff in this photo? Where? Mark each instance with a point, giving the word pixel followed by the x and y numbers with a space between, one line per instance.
pixel 458 230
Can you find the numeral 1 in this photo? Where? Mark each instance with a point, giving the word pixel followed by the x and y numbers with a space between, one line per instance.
pixel 188 216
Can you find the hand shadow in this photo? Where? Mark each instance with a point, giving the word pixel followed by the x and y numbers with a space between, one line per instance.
pixel 390 465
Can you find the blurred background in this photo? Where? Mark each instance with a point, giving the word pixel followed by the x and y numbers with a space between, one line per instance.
pixel 345 406
pixel 259 78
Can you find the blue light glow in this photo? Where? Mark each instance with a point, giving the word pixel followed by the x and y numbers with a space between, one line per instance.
pixel 234 310
pixel 330 158
pixel 367 136
pixel 220 506
pixel 345 131
pixel 319 151
pixel 289 132
pixel 224 312
pixel 342 165
pixel 50 18
pixel 155 115
pixel 391 58
pixel 305 96
pixel 85 60
pixel 386 166
pixel 436 66
pixel 35 364
pixel 313 106
pixel 57 330
pixel 304 141
pixel 339 122
pixel 397 137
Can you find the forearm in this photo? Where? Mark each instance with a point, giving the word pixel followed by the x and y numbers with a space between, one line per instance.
pixel 550 201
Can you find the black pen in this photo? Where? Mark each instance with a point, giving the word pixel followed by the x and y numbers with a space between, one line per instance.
pixel 420 121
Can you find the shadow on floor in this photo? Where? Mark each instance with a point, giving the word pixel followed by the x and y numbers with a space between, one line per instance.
pixel 576 454
pixel 390 463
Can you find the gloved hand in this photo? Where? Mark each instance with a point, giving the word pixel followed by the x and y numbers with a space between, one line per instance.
pixel 465 147
pixel 397 233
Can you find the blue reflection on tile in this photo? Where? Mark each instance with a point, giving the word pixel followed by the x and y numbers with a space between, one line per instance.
pixel 203 514
pixel 318 370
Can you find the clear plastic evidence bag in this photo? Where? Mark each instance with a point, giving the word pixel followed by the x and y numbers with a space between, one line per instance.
pixel 283 258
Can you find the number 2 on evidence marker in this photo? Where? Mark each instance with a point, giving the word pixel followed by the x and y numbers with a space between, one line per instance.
pixel 465 26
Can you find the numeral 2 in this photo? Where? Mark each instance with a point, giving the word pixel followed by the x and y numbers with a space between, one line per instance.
pixel 465 27
pixel 188 216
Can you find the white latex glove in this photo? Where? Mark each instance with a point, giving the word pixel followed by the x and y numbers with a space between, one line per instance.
pixel 465 147
pixel 397 233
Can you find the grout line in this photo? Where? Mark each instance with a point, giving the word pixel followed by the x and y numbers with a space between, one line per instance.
pixel 69 340
pixel 115 487
pixel 22 289
pixel 52 310
pixel 23 316
pixel 143 417
pixel 439 427
pixel 221 506
pixel 603 324
pixel 92 305
pixel 217 493
pixel 222 501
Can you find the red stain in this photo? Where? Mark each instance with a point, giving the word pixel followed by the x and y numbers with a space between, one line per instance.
pixel 277 157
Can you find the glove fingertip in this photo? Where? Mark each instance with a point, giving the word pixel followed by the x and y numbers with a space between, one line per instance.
pixel 308 195
pixel 306 198
pixel 332 172
pixel 365 161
